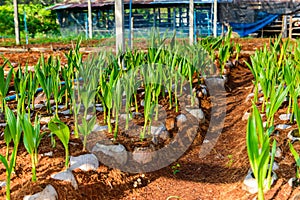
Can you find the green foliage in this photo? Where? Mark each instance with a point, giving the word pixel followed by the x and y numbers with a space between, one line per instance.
pixel 62 131
pixel 32 139
pixel 39 20
pixel 297 159
pixel 258 148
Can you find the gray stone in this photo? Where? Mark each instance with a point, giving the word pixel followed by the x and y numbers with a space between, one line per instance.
pixel 49 193
pixel 49 154
pixel 198 113
pixel 99 108
pixel 2 184
pixel 291 135
pixel 285 117
pixel 250 96
pixel 2 124
pixel 84 162
pixel 98 128
pixel 118 152
pixel 124 115
pixel 283 126
pixel 45 120
pixel 143 155
pixel 65 112
pixel 250 183
pixel 181 119
pixel 157 130
pixel 66 176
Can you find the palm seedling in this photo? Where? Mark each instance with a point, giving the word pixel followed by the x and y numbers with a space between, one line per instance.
pixel 4 84
pixel 258 148
pixel 277 96
pixel 45 79
pixel 12 131
pixel 62 131
pixel 297 160
pixel 32 139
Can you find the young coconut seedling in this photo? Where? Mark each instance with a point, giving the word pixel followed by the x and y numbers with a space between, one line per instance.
pixel 12 131
pixel 4 84
pixel 31 140
pixel 297 160
pixel 258 148
pixel 62 131
pixel 9 166
pixel 45 79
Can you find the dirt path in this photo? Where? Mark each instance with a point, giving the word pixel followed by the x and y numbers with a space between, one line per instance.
pixel 220 174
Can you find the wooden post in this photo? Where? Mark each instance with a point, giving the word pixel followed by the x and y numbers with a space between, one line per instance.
pixel 215 18
pixel 291 26
pixel 284 26
pixel 131 33
pixel 191 22
pixel 119 24
pixel 90 19
pixel 16 20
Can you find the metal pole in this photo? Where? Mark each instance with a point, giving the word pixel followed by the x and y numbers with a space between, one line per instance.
pixel 191 22
pixel 16 20
pixel 130 24
pixel 119 23
pixel 215 17
pixel 90 19
pixel 25 27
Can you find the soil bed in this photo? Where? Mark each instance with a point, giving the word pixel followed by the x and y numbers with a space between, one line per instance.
pixel 218 175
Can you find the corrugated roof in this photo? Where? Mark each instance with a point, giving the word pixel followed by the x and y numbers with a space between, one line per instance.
pixel 68 4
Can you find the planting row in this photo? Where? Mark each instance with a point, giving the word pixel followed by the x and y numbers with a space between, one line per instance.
pixel 119 83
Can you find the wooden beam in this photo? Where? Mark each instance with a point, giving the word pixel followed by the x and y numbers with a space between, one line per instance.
pixel 291 26
pixel 16 20
pixel 90 19
pixel 191 22
pixel 215 18
pixel 119 23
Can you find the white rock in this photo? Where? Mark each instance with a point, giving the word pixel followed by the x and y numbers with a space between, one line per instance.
pixel 156 130
pixel 283 126
pixel 65 112
pixel 142 102
pixel 250 96
pixel 213 82
pixel 85 162
pixel 50 154
pixel 124 115
pixel 181 119
pixel 99 108
pixel 59 107
pixel 198 113
pixel 36 106
pixel 49 193
pixel 285 117
pixel 2 184
pixel 2 124
pixel 118 152
pixel 246 116
pixel 98 128
pixel 66 176
pixel 291 137
pixel 251 184
pixel 45 120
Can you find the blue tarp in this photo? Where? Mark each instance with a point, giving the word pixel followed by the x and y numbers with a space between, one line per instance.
pixel 244 29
